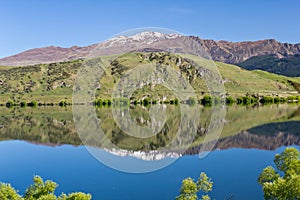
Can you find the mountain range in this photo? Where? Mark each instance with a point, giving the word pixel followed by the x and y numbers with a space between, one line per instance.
pixel 269 55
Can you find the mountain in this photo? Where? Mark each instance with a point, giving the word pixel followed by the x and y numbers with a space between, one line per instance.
pixel 237 52
pixel 288 66
pixel 223 51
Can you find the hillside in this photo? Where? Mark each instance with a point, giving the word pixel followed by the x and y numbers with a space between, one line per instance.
pixel 289 66
pixel 51 83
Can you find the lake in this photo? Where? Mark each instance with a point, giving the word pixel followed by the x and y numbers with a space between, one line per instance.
pixel 44 141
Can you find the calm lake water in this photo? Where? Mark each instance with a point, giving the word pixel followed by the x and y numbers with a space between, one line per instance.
pixel 43 141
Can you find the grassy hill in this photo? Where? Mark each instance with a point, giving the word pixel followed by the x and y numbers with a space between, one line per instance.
pixel 52 83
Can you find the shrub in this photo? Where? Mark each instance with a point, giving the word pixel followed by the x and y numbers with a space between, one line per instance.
pixel 267 100
pixel 62 103
pixel 32 104
pixel 98 102
pixel 239 100
pixel 293 98
pixel 9 104
pixel 23 104
pixel 207 100
pixel 174 101
pixel 229 100
pixel 135 102
pixel 146 102
pixel 279 100
pixel 154 101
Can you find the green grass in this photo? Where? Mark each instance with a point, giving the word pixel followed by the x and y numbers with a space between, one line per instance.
pixel 239 81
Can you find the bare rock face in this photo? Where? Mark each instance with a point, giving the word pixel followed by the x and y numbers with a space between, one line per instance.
pixel 224 51
pixel 237 52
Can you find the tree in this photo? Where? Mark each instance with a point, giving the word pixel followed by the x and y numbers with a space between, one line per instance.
pixel 75 196
pixel 190 189
pixel 8 193
pixel 286 186
pixel 39 190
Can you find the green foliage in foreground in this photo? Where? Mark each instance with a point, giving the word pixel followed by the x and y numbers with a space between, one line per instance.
pixel 190 189
pixel 39 190
pixel 282 187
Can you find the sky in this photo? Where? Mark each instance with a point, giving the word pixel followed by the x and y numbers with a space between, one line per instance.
pixel 31 23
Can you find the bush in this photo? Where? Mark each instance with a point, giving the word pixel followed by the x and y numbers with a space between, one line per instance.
pixel 39 190
pixel 207 100
pixel 239 100
pixel 267 100
pixel 9 104
pixel 98 102
pixel 229 100
pixel 154 101
pixel 32 104
pixel 279 100
pixel 62 103
pixel 135 102
pixel 146 102
pixel 293 98
pixel 23 104
pixel 174 101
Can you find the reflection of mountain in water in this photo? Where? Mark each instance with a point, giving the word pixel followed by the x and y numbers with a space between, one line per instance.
pixel 261 128
pixel 267 137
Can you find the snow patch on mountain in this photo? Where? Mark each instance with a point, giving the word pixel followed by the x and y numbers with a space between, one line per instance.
pixel 150 155
pixel 143 37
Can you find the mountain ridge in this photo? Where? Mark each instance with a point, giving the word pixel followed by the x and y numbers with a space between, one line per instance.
pixel 220 50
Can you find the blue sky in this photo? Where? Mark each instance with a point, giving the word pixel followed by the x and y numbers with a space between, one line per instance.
pixel 30 24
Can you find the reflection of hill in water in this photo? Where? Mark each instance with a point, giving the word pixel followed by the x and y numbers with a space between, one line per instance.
pixel 266 127
pixel 267 137
pixel 42 125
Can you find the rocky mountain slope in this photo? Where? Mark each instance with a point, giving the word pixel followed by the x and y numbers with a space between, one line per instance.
pixel 224 51
pixel 237 52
